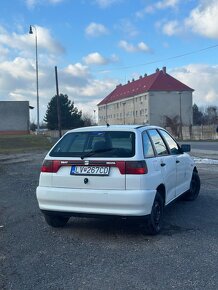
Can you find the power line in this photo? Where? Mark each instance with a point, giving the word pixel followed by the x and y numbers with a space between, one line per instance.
pixel 160 60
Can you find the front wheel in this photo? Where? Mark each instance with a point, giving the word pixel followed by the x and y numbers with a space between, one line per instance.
pixel 155 220
pixel 194 190
pixel 55 220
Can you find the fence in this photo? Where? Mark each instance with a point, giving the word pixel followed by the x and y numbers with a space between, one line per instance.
pixel 188 132
pixel 202 132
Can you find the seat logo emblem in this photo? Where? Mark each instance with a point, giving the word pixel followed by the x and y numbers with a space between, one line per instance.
pixel 86 162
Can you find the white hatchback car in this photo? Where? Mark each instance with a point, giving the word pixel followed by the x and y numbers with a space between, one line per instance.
pixel 118 170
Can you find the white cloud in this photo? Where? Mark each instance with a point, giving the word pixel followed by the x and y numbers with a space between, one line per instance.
pixel 127 27
pixel 203 79
pixel 171 28
pixel 3 52
pixel 106 3
pixel 77 70
pixel 96 29
pixel 18 68
pixel 97 88
pixel 203 19
pixel 18 74
pixel 24 43
pixel 18 82
pixel 160 5
pixel 31 4
pixel 95 58
pixel 167 3
pixel 140 47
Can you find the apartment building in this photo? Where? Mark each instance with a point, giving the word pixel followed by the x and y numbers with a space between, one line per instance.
pixel 148 100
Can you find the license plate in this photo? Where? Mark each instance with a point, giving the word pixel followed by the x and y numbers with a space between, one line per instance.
pixel 90 170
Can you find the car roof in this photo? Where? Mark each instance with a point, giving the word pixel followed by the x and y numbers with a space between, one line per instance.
pixel 114 128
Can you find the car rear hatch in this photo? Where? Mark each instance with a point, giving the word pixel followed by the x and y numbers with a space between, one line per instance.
pixel 91 160
pixel 91 174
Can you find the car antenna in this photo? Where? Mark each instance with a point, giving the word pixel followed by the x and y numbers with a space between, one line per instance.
pixel 108 125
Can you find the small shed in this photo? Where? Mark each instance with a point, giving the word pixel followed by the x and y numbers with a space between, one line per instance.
pixel 14 117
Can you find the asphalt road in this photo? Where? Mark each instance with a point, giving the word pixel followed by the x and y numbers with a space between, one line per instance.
pixel 205 149
pixel 204 145
pixel 104 254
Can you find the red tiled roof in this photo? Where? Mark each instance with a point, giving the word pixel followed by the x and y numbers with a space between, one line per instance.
pixel 159 81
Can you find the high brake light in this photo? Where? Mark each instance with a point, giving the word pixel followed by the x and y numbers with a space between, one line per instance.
pixel 51 166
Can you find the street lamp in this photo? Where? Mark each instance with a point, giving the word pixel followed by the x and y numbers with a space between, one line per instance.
pixel 94 116
pixel 37 73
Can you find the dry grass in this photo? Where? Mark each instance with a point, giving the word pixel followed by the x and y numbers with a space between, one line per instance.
pixel 23 143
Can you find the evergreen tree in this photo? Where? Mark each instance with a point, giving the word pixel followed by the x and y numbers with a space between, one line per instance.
pixel 70 115
pixel 198 116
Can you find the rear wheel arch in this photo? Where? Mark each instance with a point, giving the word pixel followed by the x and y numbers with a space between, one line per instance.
pixel 162 191
pixel 194 189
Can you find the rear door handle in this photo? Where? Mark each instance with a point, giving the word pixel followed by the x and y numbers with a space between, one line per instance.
pixel 162 164
pixel 177 161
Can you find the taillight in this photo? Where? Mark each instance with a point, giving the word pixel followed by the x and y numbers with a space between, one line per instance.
pixel 51 166
pixel 136 167
pixel 132 167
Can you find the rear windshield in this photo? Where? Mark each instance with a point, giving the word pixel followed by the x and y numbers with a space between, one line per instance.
pixel 96 144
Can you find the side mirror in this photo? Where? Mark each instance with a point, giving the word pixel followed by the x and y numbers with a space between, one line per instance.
pixel 186 147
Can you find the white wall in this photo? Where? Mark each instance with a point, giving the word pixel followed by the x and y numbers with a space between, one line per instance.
pixel 163 104
pixel 149 107
pixel 14 116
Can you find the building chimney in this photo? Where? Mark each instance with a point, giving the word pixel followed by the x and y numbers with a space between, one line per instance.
pixel 140 77
pixel 157 70
pixel 133 80
pixel 145 75
pixel 164 69
pixel 128 82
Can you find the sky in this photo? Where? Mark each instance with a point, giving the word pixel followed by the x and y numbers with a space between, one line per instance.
pixel 98 44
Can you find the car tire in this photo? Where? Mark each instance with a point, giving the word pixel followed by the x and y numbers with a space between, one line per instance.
pixel 55 220
pixel 194 190
pixel 155 220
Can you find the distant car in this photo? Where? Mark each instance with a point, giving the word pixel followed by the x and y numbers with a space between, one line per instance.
pixel 125 170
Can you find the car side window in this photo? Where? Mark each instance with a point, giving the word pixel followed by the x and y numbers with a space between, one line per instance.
pixel 158 142
pixel 147 146
pixel 173 146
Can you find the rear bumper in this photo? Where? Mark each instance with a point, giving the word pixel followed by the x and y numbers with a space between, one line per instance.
pixel 95 202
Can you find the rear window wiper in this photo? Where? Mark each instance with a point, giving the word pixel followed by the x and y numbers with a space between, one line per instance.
pixel 91 153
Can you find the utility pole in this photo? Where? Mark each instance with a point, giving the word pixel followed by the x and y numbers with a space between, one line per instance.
pixel 124 113
pixel 180 115
pixel 58 103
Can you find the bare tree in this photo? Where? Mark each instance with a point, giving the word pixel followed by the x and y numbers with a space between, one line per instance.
pixel 173 124
pixel 88 120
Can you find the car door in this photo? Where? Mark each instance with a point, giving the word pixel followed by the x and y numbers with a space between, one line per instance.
pixel 182 163
pixel 166 163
